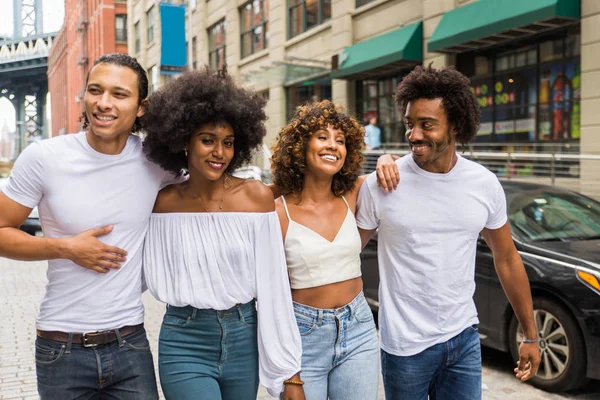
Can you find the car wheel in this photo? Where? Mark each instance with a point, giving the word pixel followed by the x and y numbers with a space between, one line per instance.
pixel 562 349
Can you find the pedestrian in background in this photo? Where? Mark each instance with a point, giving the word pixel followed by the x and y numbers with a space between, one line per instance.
pixel 315 164
pixel 94 191
pixel 214 251
pixel 372 135
pixel 427 239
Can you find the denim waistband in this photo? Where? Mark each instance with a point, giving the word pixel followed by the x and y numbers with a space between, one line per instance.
pixel 330 314
pixel 196 313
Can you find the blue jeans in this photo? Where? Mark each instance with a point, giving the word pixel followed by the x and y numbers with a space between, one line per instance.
pixel 340 351
pixel 448 371
pixel 209 354
pixel 122 370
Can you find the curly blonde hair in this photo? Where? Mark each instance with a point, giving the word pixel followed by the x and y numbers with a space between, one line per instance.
pixel 288 163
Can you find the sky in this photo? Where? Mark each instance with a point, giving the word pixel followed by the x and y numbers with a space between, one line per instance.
pixel 53 14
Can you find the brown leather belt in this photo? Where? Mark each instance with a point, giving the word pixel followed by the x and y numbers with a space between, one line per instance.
pixel 90 339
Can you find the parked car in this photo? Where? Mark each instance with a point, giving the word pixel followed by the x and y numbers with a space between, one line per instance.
pixel 32 223
pixel 557 233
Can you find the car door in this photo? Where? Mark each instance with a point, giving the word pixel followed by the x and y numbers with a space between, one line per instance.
pixel 370 272
pixel 484 266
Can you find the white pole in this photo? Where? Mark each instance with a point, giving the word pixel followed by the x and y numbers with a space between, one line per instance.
pixel 191 6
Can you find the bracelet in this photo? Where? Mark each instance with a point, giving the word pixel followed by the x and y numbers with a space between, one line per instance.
pixel 293 382
pixel 530 340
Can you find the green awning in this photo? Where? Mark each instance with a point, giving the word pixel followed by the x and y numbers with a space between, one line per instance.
pixel 286 73
pixel 491 22
pixel 383 54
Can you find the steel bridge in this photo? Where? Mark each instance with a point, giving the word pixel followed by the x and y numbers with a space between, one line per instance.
pixel 23 74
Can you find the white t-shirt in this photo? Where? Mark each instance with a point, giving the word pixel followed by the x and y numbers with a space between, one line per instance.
pixel 76 189
pixel 427 240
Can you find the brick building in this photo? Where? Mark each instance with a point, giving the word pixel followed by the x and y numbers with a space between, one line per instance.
pixel 90 29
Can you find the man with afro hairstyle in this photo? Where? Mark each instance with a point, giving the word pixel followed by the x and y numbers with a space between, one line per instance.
pixel 428 231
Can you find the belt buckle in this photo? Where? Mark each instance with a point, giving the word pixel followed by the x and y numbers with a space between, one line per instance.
pixel 84 338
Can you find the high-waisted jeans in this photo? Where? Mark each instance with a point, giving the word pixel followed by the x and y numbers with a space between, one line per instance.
pixel 340 351
pixel 209 354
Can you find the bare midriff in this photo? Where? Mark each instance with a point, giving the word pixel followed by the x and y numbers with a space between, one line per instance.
pixel 333 295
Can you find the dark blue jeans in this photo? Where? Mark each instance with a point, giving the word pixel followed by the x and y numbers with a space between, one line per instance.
pixel 448 371
pixel 208 354
pixel 122 370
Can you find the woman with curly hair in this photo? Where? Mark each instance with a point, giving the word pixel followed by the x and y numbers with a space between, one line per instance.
pixel 213 249
pixel 315 165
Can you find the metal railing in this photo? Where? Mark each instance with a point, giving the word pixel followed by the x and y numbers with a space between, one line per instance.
pixel 551 164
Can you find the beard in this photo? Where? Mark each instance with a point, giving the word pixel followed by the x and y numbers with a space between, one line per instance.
pixel 437 149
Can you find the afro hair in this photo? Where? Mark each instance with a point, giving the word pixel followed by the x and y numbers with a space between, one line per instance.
pixel 179 108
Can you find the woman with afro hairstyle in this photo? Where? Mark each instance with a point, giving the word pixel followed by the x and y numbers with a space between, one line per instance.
pixel 315 165
pixel 213 250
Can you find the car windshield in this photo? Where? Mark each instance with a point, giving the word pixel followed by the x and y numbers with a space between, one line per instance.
pixel 547 215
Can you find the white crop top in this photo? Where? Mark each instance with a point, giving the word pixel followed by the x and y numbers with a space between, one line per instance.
pixel 314 261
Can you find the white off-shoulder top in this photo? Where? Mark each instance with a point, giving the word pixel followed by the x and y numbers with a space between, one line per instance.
pixel 218 260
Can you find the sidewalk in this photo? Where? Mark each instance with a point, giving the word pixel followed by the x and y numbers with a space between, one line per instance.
pixel 21 290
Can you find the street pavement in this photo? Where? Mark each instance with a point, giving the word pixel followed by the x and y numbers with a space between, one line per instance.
pixel 21 290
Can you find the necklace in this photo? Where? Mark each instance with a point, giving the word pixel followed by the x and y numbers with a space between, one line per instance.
pixel 220 207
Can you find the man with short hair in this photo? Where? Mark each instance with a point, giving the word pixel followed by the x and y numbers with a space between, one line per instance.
pixel 372 135
pixel 427 241
pixel 95 191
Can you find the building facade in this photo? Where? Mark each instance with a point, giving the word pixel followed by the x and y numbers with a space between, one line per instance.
pixel 90 30
pixel 528 63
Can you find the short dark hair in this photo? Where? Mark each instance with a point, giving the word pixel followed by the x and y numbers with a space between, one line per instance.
pixel 288 163
pixel 459 102
pixel 122 60
pixel 184 104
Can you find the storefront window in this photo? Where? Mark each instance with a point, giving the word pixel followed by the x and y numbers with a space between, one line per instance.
pixel 522 100
pixel 307 92
pixel 560 96
pixel 376 99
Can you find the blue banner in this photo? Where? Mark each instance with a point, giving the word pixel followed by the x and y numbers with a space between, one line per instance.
pixel 173 47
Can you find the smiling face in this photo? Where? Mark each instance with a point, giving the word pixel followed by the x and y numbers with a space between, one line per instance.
pixel 430 137
pixel 112 100
pixel 326 151
pixel 210 150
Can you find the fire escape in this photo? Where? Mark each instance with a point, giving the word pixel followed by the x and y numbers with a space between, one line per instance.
pixel 82 57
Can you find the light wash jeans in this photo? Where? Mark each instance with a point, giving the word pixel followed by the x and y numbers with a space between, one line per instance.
pixel 208 354
pixel 446 371
pixel 340 351
pixel 122 370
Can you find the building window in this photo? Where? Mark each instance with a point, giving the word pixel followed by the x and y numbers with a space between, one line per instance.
pixel 362 2
pixel 254 24
pixel 151 21
pixel 532 94
pixel 154 82
pixel 216 45
pixel 194 52
pixel 376 99
pixel 121 28
pixel 307 92
pixel 138 39
pixel 306 14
